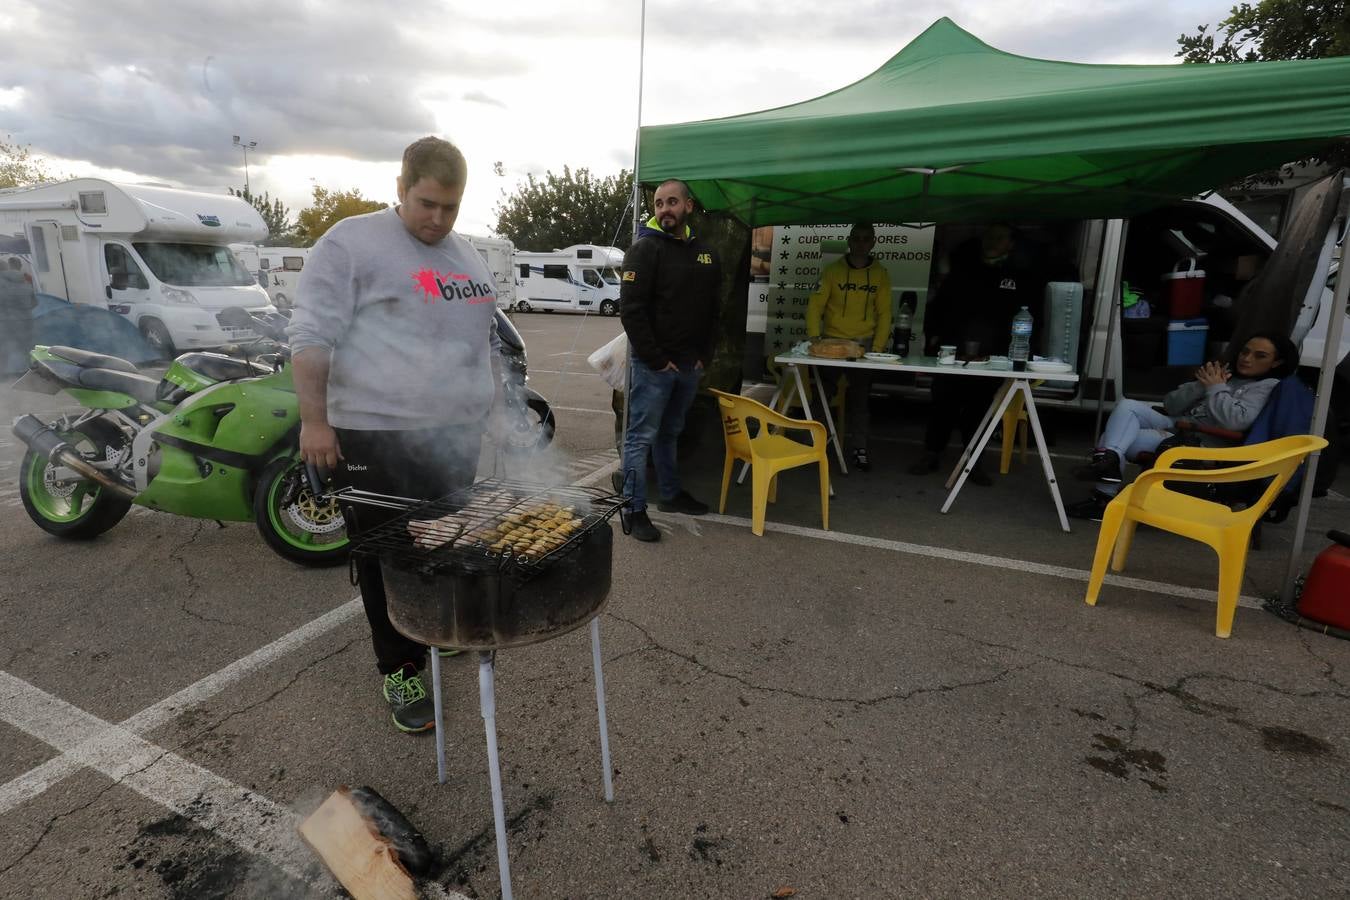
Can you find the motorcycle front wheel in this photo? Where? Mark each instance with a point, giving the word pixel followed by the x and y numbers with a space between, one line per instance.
pixel 297 525
pixel 77 510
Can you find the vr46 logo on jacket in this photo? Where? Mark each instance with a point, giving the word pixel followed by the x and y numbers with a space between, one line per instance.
pixel 705 258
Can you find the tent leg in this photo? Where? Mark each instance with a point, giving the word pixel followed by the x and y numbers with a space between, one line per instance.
pixel 1111 329
pixel 1326 380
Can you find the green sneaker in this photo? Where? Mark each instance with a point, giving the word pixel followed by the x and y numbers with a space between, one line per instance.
pixel 413 708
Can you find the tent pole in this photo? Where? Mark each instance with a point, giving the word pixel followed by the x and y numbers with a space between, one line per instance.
pixel 637 139
pixel 1111 325
pixel 1326 380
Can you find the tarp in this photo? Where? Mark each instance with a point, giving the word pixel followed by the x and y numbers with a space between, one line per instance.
pixel 951 129
pixel 58 322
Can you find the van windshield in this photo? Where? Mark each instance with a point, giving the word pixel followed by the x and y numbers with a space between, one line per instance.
pixel 193 265
pixel 610 276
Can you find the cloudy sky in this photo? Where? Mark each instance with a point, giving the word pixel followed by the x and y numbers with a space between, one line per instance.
pixel 332 91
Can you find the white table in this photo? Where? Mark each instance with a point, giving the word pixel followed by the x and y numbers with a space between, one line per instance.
pixel 1013 385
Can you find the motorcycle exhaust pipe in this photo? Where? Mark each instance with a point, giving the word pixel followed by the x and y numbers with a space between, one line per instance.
pixel 45 442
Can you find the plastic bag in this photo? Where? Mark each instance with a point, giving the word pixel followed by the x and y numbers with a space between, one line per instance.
pixel 611 361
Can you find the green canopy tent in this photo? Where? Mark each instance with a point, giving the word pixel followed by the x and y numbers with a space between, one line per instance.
pixel 951 129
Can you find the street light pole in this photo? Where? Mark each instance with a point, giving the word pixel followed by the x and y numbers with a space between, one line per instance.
pixel 250 145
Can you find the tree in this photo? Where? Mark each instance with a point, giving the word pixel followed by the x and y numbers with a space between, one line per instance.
pixel 572 208
pixel 328 208
pixel 1271 30
pixel 19 167
pixel 274 214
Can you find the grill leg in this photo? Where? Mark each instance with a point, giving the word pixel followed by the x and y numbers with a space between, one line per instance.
pixel 487 704
pixel 600 707
pixel 436 701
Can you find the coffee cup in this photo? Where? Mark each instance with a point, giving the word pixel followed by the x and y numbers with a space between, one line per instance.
pixel 946 351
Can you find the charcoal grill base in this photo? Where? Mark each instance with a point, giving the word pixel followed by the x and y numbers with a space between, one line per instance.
pixel 493 610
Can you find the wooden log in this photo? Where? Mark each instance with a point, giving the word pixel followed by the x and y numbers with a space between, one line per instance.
pixel 351 844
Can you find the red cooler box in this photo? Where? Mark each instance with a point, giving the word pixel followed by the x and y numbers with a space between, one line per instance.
pixel 1326 592
pixel 1185 290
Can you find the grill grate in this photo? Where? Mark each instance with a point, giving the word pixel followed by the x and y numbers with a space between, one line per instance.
pixel 511 527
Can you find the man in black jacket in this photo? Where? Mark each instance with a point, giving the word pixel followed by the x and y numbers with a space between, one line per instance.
pixel 990 280
pixel 668 302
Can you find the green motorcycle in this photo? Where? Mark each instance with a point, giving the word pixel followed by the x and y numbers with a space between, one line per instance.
pixel 215 438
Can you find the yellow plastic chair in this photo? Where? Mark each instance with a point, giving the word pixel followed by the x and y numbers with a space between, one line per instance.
pixel 1015 425
pixel 1150 502
pixel 769 453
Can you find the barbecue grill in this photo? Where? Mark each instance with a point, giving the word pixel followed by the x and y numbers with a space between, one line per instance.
pixel 498 564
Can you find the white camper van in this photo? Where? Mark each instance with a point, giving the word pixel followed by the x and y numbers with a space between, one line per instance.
pixel 157 255
pixel 581 278
pixel 281 267
pixel 498 253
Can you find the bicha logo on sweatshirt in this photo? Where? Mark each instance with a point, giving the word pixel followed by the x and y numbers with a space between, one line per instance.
pixel 452 286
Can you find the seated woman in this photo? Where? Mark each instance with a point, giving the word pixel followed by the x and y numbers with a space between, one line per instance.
pixel 1215 398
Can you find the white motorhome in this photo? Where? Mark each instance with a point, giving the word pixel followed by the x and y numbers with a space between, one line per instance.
pixel 581 278
pixel 1081 322
pixel 498 253
pixel 157 255
pixel 279 269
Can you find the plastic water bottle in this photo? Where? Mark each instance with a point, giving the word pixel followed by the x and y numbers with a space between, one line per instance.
pixel 904 325
pixel 1020 349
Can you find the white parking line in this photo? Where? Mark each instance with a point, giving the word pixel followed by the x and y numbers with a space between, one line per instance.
pixel 246 819
pixel 978 559
pixel 33 782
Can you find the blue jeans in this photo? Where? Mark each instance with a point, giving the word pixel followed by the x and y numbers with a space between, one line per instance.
pixel 1133 428
pixel 657 404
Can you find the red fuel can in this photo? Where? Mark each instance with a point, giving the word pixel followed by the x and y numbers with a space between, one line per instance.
pixel 1326 592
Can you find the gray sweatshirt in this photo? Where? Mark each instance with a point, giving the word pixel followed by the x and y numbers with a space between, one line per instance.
pixel 409 325
pixel 1233 405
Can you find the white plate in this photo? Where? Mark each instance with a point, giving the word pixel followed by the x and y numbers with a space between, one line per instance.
pixel 1048 366
pixel 881 357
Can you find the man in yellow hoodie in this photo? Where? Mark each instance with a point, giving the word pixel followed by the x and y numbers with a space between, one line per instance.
pixel 853 301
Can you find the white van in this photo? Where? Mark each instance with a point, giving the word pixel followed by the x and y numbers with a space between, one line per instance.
pixel 157 255
pixel 498 254
pixel 281 267
pixel 581 278
pixel 1088 259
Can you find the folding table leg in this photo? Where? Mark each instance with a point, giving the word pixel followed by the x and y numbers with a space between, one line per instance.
pixel 1044 451
pixel 982 440
pixel 1003 389
pixel 825 404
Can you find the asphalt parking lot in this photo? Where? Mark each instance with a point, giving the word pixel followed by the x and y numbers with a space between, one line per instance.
pixel 911 704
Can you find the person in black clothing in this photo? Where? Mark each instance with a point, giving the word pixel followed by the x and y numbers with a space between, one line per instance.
pixel 668 303
pixel 973 309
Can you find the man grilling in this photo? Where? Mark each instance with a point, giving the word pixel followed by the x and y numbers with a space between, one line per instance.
pixel 394 360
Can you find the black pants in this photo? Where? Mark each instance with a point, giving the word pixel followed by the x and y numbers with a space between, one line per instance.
pixel 959 401
pixel 423 464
